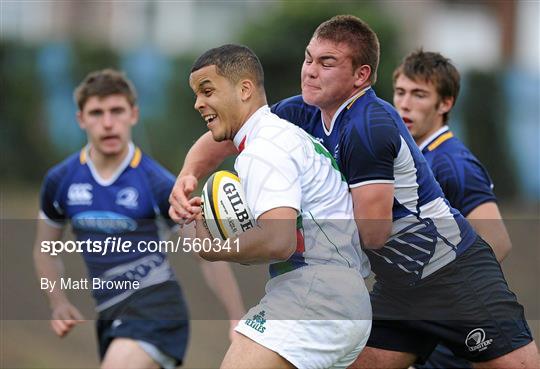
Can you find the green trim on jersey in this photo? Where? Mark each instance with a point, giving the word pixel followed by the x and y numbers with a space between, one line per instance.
pixel 320 149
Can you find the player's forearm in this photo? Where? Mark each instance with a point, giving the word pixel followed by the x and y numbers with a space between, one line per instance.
pixel 52 269
pixel 494 233
pixel 501 247
pixel 206 155
pixel 374 233
pixel 487 221
pixel 270 241
pixel 220 278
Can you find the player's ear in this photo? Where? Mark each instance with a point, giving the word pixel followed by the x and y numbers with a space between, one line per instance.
pixel 445 105
pixel 134 114
pixel 80 120
pixel 247 89
pixel 361 75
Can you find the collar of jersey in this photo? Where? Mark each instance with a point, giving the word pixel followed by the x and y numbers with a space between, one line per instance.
pixel 241 136
pixel 116 174
pixel 433 137
pixel 346 104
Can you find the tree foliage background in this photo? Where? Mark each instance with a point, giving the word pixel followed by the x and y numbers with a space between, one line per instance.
pixel 279 38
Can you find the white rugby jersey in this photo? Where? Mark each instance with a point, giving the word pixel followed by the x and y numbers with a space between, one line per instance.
pixel 280 165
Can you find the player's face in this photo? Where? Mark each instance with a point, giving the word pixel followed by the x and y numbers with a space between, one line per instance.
pixel 218 101
pixel 107 122
pixel 328 78
pixel 420 106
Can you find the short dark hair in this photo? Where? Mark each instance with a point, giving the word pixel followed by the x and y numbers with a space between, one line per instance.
pixel 431 67
pixel 103 83
pixel 357 35
pixel 233 62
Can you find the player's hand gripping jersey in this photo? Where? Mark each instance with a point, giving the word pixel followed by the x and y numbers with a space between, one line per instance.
pixel 125 206
pixel 372 145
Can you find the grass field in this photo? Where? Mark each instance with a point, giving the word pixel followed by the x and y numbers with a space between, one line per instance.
pixel 27 342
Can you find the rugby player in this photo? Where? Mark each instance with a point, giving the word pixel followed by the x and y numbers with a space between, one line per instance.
pixel 316 311
pixel 111 188
pixel 426 87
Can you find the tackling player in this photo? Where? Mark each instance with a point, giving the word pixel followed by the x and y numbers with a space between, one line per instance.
pixel 426 86
pixel 316 311
pixel 110 188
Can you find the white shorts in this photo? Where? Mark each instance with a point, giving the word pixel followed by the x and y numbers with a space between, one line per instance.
pixel 315 317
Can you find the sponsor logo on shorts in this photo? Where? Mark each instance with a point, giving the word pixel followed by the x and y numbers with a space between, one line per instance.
pixel 476 340
pixel 257 322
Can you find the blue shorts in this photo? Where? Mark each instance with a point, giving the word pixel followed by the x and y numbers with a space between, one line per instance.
pixel 157 315
pixel 466 305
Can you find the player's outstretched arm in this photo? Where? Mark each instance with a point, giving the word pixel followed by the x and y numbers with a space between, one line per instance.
pixel 64 316
pixel 204 156
pixel 373 213
pixel 487 222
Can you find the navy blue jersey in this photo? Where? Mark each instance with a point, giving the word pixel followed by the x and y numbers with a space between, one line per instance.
pixel 125 206
pixel 372 145
pixel 464 181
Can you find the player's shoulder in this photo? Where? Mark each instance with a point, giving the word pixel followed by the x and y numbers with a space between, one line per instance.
pixel 149 164
pixel 152 169
pixel 60 170
pixel 271 132
pixel 372 123
pixel 450 149
pixel 370 110
pixel 291 102
pixel 295 110
pixel 451 158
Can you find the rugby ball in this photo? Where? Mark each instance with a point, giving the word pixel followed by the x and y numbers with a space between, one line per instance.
pixel 224 206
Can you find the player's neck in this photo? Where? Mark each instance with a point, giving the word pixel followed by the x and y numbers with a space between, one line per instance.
pixel 429 135
pixel 329 112
pixel 258 102
pixel 107 165
pixel 328 115
pixel 252 109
